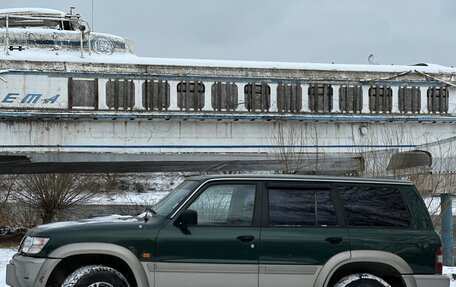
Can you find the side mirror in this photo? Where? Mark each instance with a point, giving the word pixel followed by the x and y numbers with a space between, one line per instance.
pixel 186 218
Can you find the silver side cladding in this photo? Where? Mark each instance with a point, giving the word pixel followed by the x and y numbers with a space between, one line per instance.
pixel 432 281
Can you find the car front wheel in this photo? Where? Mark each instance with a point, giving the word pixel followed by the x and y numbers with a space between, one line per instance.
pixel 95 276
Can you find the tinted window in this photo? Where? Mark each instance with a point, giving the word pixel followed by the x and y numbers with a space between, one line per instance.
pixel 301 207
pixel 374 206
pixel 225 204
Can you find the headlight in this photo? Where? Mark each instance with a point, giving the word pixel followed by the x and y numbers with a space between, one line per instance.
pixel 33 245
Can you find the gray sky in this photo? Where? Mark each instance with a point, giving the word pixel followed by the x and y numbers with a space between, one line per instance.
pixel 323 31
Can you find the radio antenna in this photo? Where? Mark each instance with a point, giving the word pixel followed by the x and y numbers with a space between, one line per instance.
pixel 93 25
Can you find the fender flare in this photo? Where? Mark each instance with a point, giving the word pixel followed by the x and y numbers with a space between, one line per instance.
pixel 374 256
pixel 106 249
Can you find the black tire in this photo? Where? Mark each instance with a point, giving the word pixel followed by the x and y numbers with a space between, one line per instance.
pixel 95 276
pixel 361 280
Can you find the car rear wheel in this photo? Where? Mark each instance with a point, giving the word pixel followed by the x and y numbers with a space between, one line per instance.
pixel 95 276
pixel 361 280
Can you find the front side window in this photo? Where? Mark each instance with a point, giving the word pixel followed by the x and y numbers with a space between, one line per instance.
pixel 301 207
pixel 167 204
pixel 374 206
pixel 225 204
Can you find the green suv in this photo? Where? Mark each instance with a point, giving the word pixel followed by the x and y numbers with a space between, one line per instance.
pixel 246 231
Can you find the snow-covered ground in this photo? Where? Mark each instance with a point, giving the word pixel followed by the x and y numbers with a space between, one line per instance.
pixel 5 256
pixel 6 253
pixel 449 271
pixel 128 198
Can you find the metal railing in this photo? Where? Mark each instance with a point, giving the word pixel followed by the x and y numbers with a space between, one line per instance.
pixel 83 27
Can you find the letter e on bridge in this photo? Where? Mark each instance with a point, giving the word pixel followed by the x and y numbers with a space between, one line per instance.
pixel 10 97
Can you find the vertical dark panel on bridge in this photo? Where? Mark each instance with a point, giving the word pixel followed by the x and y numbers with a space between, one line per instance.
pixel 190 95
pixel 380 99
pixel 224 96
pixel 257 96
pixel 70 93
pixel 83 93
pixel 96 97
pixel 156 95
pixel 350 99
pixel 437 100
pixel 320 98
pixel 120 94
pixel 289 98
pixel 409 99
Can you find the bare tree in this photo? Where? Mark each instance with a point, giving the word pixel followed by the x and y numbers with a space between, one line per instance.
pixel 433 177
pixel 291 143
pixel 110 182
pixel 8 184
pixel 51 193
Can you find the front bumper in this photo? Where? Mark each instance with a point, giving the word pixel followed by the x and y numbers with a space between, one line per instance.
pixel 23 271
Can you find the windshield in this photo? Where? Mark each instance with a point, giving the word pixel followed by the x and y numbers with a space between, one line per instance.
pixel 166 205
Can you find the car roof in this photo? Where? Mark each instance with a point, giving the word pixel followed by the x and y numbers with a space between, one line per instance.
pixel 283 177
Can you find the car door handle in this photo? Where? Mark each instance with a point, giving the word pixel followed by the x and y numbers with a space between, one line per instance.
pixel 246 238
pixel 334 240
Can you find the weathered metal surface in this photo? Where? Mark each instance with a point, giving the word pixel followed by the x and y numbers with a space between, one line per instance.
pixel 64 162
pixel 33 91
pixel 61 91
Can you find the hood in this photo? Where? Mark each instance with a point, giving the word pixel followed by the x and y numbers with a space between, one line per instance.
pixel 93 229
pixel 115 229
pixel 88 223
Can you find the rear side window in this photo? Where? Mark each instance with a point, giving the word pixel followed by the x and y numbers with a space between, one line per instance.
pixel 301 207
pixel 374 206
